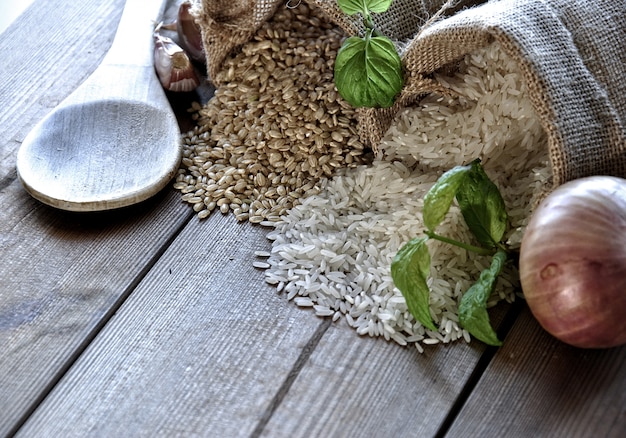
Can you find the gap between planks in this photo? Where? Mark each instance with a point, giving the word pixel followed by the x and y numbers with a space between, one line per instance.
pixel 481 366
pixel 305 354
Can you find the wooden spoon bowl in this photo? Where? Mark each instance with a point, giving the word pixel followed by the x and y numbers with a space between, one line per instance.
pixel 113 142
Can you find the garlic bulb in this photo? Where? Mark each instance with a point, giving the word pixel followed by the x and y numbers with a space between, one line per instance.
pixel 173 66
pixel 189 33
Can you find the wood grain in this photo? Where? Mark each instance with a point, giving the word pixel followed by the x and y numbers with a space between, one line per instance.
pixel 355 386
pixel 204 347
pixel 62 277
pixel 62 274
pixel 537 386
pixel 200 347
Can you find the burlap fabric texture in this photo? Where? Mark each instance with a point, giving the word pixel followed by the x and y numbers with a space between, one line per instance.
pixel 572 54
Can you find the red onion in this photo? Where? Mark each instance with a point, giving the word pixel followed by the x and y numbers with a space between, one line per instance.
pixel 573 262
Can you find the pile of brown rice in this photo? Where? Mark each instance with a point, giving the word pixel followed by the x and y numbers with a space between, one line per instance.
pixel 332 252
pixel 275 125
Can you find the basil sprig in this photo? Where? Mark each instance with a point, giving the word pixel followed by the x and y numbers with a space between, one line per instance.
pixel 368 69
pixel 484 212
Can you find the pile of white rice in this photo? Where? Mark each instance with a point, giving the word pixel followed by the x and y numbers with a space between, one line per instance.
pixel 332 253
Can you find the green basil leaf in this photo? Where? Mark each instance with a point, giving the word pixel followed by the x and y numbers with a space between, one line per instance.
pixel 473 315
pixel 410 269
pixel 482 206
pixel 440 196
pixel 368 71
pixel 351 7
pixel 378 6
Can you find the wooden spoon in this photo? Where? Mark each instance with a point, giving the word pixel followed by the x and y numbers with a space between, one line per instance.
pixel 115 140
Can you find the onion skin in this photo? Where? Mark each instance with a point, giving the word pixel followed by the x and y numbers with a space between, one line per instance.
pixel 573 262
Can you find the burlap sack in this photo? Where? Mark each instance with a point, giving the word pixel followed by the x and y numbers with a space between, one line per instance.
pixel 572 54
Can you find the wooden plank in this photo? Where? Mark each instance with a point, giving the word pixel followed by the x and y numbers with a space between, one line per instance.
pixel 368 387
pixel 200 348
pixel 537 386
pixel 61 274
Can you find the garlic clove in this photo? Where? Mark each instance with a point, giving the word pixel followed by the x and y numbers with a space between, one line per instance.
pixel 189 33
pixel 174 68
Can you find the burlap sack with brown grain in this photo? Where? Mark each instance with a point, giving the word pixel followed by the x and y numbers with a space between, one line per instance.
pixel 572 54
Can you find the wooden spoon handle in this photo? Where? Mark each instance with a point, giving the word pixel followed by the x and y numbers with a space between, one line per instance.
pixel 127 71
pixel 133 43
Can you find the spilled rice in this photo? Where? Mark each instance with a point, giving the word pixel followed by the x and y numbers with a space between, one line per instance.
pixel 332 252
pixel 276 145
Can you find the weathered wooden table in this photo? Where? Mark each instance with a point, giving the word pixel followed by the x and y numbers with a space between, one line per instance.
pixel 148 322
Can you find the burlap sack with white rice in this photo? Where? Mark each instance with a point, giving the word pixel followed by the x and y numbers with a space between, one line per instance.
pixel 572 54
